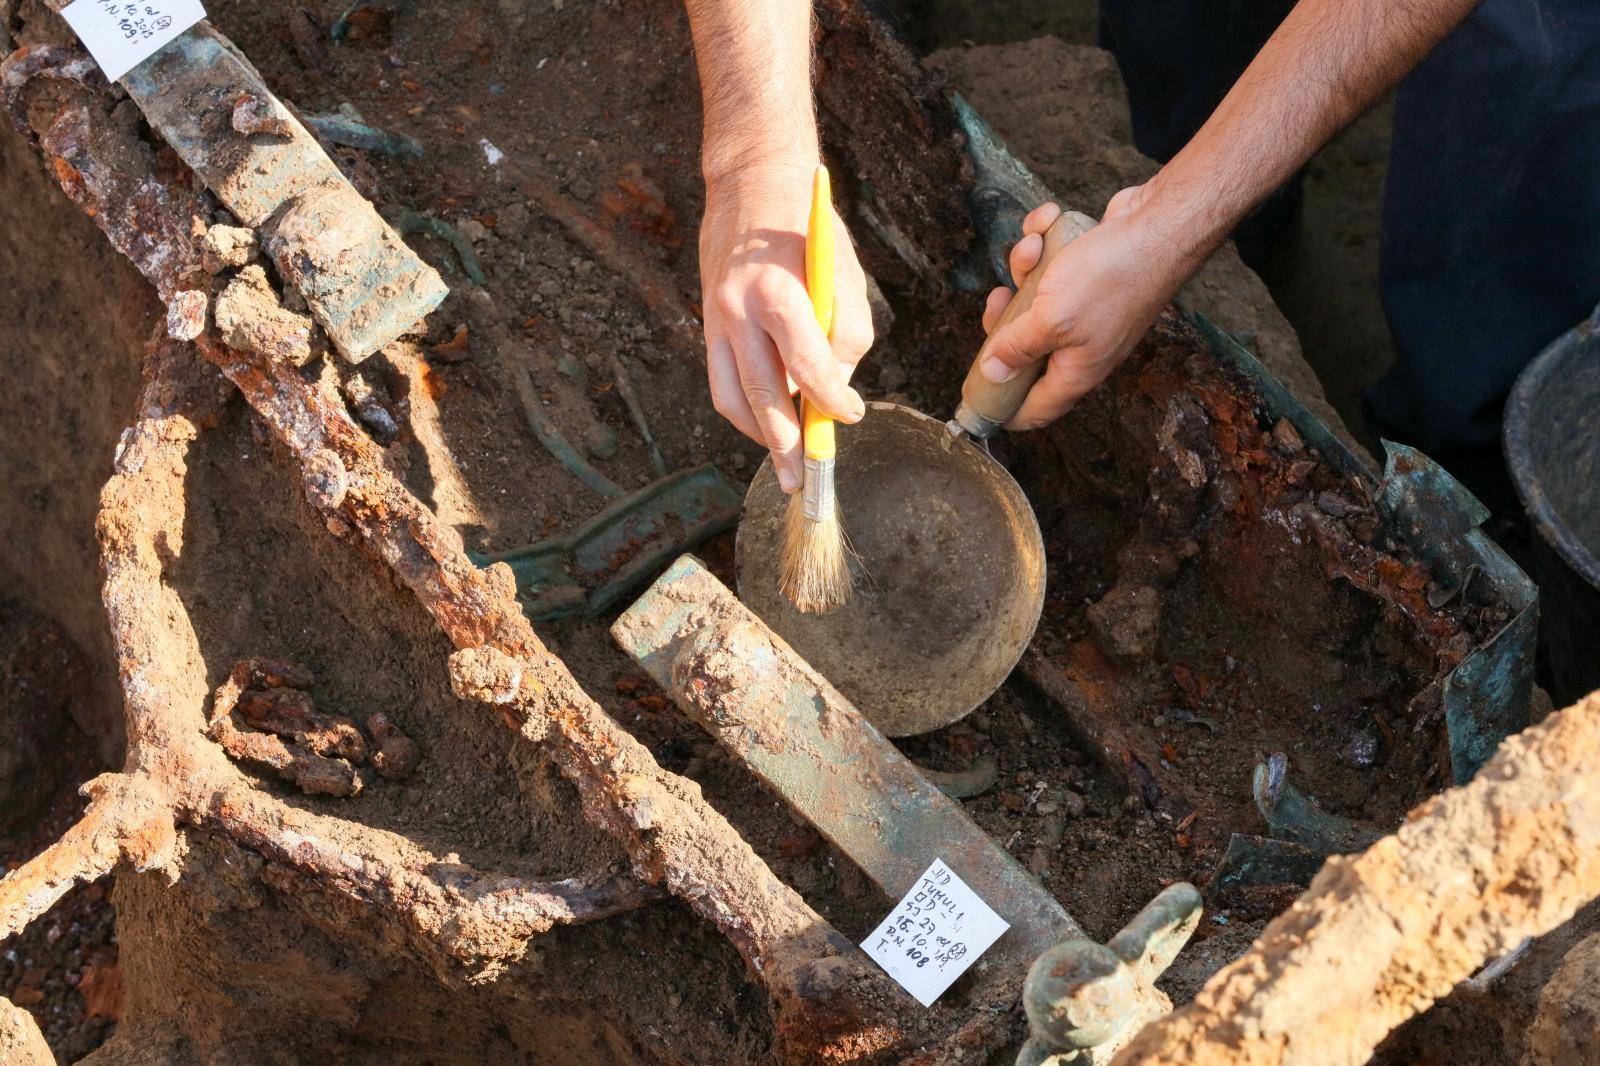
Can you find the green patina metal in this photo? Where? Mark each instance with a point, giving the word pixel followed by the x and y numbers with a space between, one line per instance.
pixel 728 671
pixel 411 223
pixel 1486 697
pixel 1085 1000
pixel 342 129
pixel 1294 816
pixel 1257 860
pixel 622 548
pixel 363 285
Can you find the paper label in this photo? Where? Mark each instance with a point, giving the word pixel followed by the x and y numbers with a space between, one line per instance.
pixel 934 933
pixel 121 34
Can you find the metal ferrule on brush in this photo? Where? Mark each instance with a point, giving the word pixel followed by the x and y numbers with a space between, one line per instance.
pixel 817 496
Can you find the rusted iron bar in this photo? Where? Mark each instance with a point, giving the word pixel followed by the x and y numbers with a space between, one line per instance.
pixel 452 915
pixel 654 285
pixel 127 821
pixel 456 913
pixel 743 683
pixel 1083 697
pixel 1512 854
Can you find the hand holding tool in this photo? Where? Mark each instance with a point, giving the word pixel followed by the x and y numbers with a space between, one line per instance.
pixel 987 405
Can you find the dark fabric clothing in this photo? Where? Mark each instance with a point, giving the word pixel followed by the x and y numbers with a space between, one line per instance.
pixel 1178 60
pixel 1491 223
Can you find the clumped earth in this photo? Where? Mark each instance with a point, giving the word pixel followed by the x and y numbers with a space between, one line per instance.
pixel 1170 585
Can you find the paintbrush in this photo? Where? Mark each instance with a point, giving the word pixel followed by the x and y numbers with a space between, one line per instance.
pixel 815 572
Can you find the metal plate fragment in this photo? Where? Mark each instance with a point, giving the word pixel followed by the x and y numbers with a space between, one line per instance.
pixel 363 284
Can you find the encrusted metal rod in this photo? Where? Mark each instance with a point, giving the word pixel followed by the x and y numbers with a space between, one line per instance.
pixel 1512 854
pixel 480 920
pixel 669 831
pixel 1084 703
pixel 126 821
pixel 453 915
pixel 361 281
pixel 732 674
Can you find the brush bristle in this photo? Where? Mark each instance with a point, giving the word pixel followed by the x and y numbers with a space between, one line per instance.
pixel 816 561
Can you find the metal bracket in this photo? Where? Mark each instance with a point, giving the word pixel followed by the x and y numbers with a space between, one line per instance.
pixel 1086 1000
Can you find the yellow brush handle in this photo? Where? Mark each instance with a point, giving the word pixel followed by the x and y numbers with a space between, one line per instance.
pixel 820 253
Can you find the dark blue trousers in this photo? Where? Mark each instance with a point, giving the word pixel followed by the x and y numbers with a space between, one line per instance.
pixel 1491 222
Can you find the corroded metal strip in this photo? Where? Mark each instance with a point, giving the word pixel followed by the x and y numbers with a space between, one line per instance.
pixel 749 689
pixel 363 284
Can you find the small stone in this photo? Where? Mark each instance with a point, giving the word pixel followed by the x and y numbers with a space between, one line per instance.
pixel 512 219
pixel 186 315
pixel 1331 503
pixel 326 480
pixel 394 754
pixel 1286 438
pixel 1072 804
pixel 228 247
pixel 473 230
pixel 1362 750
pixel 254 115
pixel 601 441
pixel 1300 470
pixel 1126 622
pixel 1046 807
pixel 363 397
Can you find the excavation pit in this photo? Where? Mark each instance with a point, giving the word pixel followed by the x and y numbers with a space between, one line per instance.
pixel 1186 574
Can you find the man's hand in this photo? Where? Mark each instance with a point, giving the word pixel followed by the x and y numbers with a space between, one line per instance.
pixel 758 153
pixel 1327 62
pixel 1097 298
pixel 762 339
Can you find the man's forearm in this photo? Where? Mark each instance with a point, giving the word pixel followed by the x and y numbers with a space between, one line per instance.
pixel 755 77
pixel 1329 61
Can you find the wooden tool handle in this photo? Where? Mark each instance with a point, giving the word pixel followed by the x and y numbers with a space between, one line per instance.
pixel 993 403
